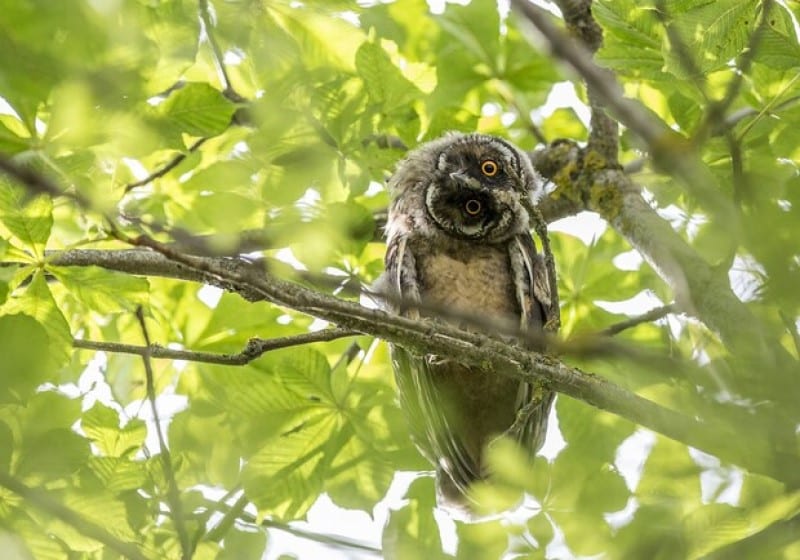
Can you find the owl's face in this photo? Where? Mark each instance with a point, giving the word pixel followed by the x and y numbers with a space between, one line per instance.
pixel 470 186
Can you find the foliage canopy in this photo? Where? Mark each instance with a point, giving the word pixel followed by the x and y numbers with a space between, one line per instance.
pixel 266 128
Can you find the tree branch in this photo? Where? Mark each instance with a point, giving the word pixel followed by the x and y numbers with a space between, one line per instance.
pixel 255 348
pixel 603 130
pixel 447 340
pixel 43 501
pixel 173 493
pixel 629 112
pixel 236 511
pixel 219 57
pixel 669 149
pixel 648 317
pixel 167 167
pixel 699 289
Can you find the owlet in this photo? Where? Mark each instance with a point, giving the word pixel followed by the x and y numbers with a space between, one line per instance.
pixel 458 239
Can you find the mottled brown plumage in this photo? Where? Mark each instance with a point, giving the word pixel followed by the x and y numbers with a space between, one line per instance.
pixel 458 239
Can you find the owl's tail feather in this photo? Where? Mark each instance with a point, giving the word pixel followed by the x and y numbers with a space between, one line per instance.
pixel 451 496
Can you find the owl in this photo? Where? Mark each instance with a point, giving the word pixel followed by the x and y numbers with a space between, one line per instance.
pixel 458 239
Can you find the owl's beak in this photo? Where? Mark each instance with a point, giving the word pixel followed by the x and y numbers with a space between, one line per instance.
pixel 463 179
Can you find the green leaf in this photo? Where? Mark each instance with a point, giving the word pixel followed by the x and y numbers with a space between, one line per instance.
pixel 486 539
pixel 104 291
pixel 40 544
pixel 117 475
pixel 99 507
pixel 174 28
pixel 719 524
pixel 198 109
pixel 633 37
pixel 29 222
pixel 412 531
pixel 39 462
pixel 719 30
pixel 10 142
pixel 189 432
pixel 101 424
pixel 778 50
pixel 306 371
pixel 243 544
pixel 475 28
pixel 670 477
pixel 38 302
pixel 564 123
pixel 23 346
pixel 362 476
pixel 384 82
pixel 285 477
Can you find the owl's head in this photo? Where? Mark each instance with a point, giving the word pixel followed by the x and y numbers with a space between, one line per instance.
pixel 471 186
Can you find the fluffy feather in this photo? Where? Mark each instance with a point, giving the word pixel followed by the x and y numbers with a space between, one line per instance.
pixel 458 237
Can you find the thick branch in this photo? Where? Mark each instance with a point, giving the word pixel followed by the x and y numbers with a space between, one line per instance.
pixel 449 341
pixel 670 150
pixel 699 289
pixel 629 112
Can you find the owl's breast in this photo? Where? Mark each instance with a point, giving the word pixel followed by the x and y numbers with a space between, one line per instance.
pixel 476 280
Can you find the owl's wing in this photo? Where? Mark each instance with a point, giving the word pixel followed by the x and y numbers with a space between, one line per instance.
pixel 530 283
pixel 420 399
pixel 533 295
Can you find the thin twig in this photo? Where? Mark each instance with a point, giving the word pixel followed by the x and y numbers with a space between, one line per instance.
pixel 233 512
pixel 43 501
pixel 254 349
pixel 735 118
pixel 648 317
pixel 219 57
pixel 167 167
pixel 329 540
pixel 173 493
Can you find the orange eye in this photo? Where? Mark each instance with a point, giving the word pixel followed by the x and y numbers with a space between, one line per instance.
pixel 489 168
pixel 473 207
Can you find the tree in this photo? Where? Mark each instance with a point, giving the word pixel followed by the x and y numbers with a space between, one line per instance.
pixel 154 150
